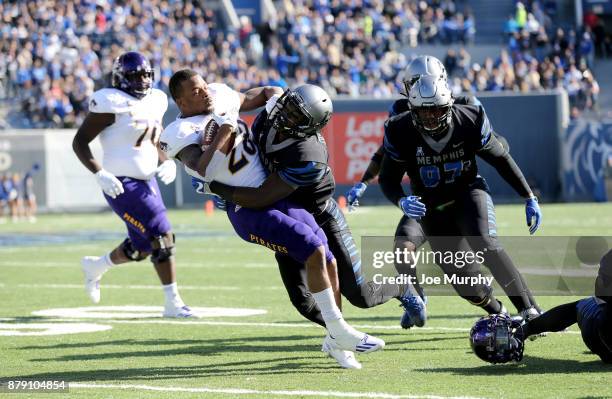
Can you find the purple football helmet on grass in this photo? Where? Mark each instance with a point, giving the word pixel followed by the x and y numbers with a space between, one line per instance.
pixel 132 73
pixel 497 339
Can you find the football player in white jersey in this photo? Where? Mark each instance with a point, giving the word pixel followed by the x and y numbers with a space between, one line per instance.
pixel 127 119
pixel 284 227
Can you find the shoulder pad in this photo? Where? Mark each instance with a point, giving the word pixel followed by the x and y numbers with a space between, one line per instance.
pixel 176 136
pixel 393 119
pixel 398 107
pixel 475 119
pixel 390 141
pixel 225 98
pixel 110 101
pixel 467 100
pixel 160 98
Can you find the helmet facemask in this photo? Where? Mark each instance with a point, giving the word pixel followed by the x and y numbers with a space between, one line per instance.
pixel 132 74
pixel 290 116
pixel 430 101
pixel 432 120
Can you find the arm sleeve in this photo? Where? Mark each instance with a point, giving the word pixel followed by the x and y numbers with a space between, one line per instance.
pixel 374 166
pixel 390 179
pixel 496 155
pixel 303 173
pixel 390 150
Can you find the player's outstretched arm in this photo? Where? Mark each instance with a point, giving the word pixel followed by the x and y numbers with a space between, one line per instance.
pixel 390 179
pixel 257 97
pixel 498 156
pixel 353 195
pixel 273 189
pixel 92 126
pixel 374 166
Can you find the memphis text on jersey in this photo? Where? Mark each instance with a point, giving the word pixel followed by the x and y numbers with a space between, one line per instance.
pixel 434 159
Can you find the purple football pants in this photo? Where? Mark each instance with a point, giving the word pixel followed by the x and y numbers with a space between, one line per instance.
pixel 283 228
pixel 142 210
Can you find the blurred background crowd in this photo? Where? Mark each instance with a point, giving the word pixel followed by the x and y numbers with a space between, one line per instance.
pixel 54 54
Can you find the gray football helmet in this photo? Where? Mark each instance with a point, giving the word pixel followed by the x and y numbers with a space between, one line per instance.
pixel 430 101
pixel 301 112
pixel 422 65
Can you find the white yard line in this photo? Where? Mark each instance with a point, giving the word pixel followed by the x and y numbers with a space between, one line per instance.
pixel 227 264
pixel 139 287
pixel 261 393
pixel 275 325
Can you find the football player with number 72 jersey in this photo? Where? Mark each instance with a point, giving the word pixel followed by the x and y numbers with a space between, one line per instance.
pixel 127 119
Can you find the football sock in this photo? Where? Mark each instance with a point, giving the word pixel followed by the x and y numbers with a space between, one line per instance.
pixel 532 299
pixel 172 295
pixel 334 322
pixel 556 319
pixel 508 277
pixel 107 260
pixel 327 305
pixel 101 265
pixel 494 306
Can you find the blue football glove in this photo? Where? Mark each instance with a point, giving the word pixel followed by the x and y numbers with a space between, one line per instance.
pixel 412 207
pixel 532 210
pixel 219 202
pixel 353 195
pixel 200 186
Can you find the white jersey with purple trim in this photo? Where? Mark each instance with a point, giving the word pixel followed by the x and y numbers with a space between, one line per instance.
pixel 241 166
pixel 130 143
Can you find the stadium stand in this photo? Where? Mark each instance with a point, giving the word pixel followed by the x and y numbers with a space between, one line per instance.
pixel 55 54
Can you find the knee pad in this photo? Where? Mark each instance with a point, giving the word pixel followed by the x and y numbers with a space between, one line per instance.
pixel 130 252
pixel 163 248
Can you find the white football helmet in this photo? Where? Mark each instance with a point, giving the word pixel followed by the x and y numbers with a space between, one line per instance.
pixel 430 101
pixel 423 65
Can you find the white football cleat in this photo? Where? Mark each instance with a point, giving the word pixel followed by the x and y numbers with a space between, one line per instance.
pixel 179 312
pixel 93 269
pixel 345 337
pixel 346 359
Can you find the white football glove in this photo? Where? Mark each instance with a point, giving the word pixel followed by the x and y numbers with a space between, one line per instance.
pixel 109 183
pixel 228 118
pixel 167 171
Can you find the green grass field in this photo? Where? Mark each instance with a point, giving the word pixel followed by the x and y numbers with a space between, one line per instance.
pixel 271 355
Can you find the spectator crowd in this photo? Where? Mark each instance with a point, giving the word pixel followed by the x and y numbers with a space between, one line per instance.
pixel 17 198
pixel 537 57
pixel 54 54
